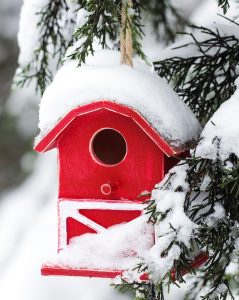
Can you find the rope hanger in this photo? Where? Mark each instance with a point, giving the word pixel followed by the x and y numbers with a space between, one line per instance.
pixel 126 41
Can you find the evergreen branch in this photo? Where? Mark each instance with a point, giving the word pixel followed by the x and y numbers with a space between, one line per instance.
pixel 224 4
pixel 136 29
pixel 52 44
pixel 204 80
pixel 215 233
pixel 102 24
pixel 143 290
pixel 221 244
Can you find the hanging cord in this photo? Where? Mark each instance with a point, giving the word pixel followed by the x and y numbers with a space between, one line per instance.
pixel 126 41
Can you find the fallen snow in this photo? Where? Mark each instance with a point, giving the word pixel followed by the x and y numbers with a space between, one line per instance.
pixel 220 136
pixel 102 77
pixel 117 248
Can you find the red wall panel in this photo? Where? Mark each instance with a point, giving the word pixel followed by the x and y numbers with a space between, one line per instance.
pixel 81 176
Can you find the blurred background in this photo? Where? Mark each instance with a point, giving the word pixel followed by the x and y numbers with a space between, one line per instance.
pixel 28 223
pixel 14 130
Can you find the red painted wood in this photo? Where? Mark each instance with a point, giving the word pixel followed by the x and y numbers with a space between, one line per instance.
pixel 144 277
pixel 59 271
pixel 50 139
pixel 75 228
pixel 82 176
pixel 108 218
pixel 169 162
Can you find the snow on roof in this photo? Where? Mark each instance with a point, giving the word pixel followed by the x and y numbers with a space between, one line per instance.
pixel 103 78
pixel 221 134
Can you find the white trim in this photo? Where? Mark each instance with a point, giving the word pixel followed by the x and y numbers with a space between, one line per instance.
pixel 88 222
pixel 82 204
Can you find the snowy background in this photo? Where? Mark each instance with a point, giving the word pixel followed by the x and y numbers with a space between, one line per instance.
pixel 28 191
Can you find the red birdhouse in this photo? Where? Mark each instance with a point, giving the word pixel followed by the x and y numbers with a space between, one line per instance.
pixel 108 154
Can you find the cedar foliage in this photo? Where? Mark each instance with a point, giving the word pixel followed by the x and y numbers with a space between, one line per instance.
pixel 206 79
pixel 102 24
pixel 52 45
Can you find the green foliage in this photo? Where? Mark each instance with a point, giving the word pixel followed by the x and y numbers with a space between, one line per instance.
pixel 205 79
pixel 143 290
pixel 214 234
pixel 219 238
pixel 52 44
pixel 224 4
pixel 136 29
pixel 102 23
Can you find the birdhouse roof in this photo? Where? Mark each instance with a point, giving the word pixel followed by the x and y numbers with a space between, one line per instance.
pixel 136 92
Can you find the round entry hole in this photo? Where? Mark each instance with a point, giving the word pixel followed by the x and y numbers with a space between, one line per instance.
pixel 109 146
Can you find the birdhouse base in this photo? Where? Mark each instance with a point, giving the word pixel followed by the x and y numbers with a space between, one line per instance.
pixel 60 271
pixel 49 270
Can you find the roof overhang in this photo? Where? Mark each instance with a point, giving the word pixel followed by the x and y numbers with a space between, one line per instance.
pixel 49 141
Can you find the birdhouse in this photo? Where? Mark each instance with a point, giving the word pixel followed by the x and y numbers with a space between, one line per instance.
pixel 117 131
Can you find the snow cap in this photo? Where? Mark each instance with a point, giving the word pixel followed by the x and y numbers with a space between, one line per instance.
pixel 140 88
pixel 220 137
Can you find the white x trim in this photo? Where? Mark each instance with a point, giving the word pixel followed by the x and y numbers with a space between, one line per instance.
pixel 70 208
